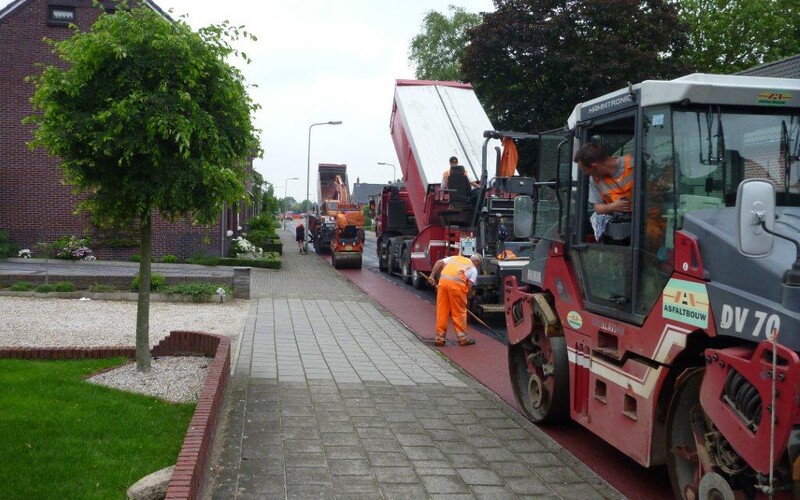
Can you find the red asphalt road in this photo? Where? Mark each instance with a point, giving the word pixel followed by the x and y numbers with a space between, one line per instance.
pixel 487 362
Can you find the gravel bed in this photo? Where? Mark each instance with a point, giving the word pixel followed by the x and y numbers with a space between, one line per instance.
pixel 177 379
pixel 39 322
pixel 35 322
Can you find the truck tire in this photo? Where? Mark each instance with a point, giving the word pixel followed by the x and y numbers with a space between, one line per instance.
pixel 417 281
pixel 333 260
pixel 542 394
pixel 389 260
pixel 383 258
pixel 405 266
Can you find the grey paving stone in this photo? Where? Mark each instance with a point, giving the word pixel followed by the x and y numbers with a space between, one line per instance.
pixel 309 491
pixel 423 453
pixel 471 461
pixel 387 458
pixel 339 439
pixel 444 484
pixel 479 476
pixel 303 445
pixel 557 475
pixel 403 491
pixel 540 459
pixel 381 445
pixel 375 433
pixel 378 421
pixel 355 484
pixel 308 475
pixel 405 475
pixel 294 459
pixel 497 455
pixel 357 467
pixel 258 484
pixel 529 486
pixel 511 469
pixel 493 493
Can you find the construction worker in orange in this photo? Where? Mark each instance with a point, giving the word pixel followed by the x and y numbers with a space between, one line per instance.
pixel 458 274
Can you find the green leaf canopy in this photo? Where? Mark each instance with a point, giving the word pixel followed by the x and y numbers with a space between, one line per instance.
pixel 145 115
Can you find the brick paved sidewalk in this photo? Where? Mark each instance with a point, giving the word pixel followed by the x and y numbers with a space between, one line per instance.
pixel 334 398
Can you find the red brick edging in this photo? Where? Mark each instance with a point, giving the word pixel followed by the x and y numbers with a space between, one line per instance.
pixel 188 476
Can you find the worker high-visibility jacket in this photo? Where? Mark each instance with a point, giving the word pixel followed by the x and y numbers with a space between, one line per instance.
pixel 617 188
pixel 451 296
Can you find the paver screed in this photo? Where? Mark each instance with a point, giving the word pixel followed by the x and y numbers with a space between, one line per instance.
pixel 334 398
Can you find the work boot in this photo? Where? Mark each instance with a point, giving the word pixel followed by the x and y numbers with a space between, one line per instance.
pixel 465 341
pixel 439 342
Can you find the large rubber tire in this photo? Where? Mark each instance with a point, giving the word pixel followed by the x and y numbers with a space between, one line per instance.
pixel 547 401
pixel 405 266
pixel 680 439
pixel 417 281
pixel 333 260
pixel 382 259
pixel 389 261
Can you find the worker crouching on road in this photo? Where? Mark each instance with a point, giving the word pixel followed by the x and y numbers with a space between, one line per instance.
pixel 458 274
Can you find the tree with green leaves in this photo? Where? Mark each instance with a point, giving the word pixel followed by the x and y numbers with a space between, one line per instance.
pixel 728 36
pixel 436 51
pixel 148 117
pixel 532 61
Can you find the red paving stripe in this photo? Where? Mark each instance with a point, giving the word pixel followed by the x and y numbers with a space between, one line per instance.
pixel 487 362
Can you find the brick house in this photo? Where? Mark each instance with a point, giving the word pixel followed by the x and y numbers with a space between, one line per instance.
pixel 34 204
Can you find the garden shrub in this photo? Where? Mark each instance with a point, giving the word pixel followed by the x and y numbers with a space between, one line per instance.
pixel 63 286
pixel 203 260
pixel 261 237
pixel 7 249
pixel 22 286
pixel 157 282
pixel 73 248
pixel 260 263
pixel 136 258
pixel 44 289
pixel 169 259
pixel 102 288
pixel 199 290
pixel 262 222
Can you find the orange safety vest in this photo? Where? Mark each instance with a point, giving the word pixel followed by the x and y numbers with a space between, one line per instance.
pixel 616 188
pixel 456 269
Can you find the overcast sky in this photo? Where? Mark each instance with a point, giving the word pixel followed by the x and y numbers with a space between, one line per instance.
pixel 318 61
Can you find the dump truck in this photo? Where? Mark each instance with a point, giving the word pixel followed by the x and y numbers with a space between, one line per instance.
pixel 419 222
pixel 673 333
pixel 337 225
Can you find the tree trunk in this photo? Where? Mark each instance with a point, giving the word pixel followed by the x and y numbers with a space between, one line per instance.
pixel 143 308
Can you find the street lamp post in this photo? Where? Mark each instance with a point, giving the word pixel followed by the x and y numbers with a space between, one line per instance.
pixel 285 205
pixel 394 172
pixel 308 167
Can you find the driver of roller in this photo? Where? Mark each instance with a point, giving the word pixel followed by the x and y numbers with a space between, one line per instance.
pixel 610 183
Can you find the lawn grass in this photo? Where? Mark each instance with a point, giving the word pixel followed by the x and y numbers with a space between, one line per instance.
pixel 63 438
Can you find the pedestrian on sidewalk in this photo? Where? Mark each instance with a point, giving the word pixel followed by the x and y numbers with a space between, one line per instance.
pixel 458 274
pixel 300 236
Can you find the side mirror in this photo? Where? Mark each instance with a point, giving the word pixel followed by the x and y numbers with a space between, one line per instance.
pixel 523 216
pixel 755 202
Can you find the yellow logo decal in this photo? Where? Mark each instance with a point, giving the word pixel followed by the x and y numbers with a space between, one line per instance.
pixel 774 98
pixel 686 302
pixel 574 319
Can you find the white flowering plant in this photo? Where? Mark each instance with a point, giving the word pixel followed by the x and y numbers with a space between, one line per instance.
pixel 74 248
pixel 241 247
pixel 25 253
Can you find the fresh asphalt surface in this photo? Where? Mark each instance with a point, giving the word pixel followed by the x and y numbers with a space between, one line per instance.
pixel 621 472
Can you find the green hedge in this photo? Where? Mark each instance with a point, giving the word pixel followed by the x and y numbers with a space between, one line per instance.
pixel 274 247
pixel 263 263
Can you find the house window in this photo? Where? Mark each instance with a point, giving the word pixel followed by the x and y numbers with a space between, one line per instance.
pixel 58 15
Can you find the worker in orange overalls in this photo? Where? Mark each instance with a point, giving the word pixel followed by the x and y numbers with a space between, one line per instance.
pixel 611 186
pixel 458 273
